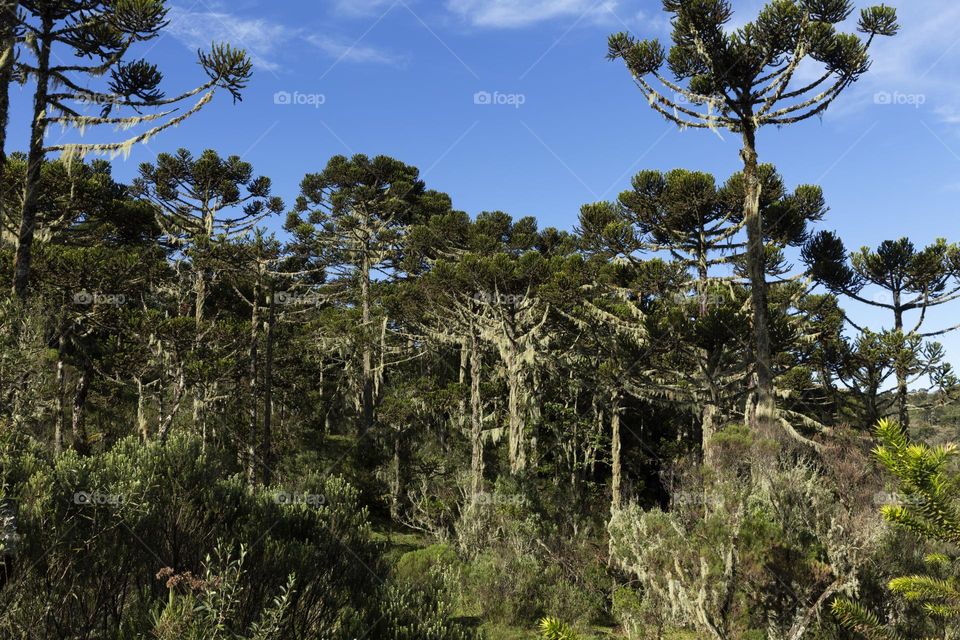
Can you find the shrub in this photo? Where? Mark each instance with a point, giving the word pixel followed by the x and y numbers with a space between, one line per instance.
pixel 105 525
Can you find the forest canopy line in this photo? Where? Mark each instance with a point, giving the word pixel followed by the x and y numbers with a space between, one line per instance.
pixel 363 413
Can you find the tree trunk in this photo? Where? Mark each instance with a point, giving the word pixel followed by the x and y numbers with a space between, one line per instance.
pixel 515 418
pixel 615 462
pixel 756 257
pixel 903 394
pixel 8 41
pixel 708 420
pixel 367 372
pixel 476 420
pixel 79 427
pixel 253 373
pixel 142 426
pixel 396 476
pixel 266 454
pixel 464 372
pixel 35 157
pixel 61 390
pixel 163 431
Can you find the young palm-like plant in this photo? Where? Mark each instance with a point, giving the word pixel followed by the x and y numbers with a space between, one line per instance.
pixel 929 510
pixel 554 629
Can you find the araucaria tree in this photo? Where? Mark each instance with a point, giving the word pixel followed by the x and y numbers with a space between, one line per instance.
pixel 744 79
pixel 913 282
pixel 56 33
pixel 351 220
pixel 202 204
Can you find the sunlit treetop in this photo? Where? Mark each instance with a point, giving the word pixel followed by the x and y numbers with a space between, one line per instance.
pixel 732 78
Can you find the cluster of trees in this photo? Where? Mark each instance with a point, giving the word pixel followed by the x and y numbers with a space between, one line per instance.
pixel 656 400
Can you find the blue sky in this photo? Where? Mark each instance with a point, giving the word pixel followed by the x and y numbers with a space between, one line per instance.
pixel 400 78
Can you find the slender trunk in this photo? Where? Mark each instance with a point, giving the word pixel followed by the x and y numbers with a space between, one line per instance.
pixel 396 475
pixel 163 432
pixel 708 419
pixel 266 454
pixel 515 418
pixel 703 273
pixel 8 42
pixel 902 391
pixel 367 372
pixel 61 390
pixel 142 425
pixel 201 290
pixel 79 427
pixel 253 373
pixel 756 257
pixel 464 371
pixel 615 461
pixel 476 419
pixel 35 157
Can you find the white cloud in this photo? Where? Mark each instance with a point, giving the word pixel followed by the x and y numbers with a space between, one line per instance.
pixel 522 13
pixel 260 38
pixel 348 51
pixel 264 40
pixel 921 63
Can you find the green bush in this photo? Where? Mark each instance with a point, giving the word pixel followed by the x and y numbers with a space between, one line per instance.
pixel 420 614
pixel 414 567
pixel 105 526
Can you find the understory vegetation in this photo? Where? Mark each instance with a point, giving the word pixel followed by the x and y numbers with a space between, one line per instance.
pixel 363 413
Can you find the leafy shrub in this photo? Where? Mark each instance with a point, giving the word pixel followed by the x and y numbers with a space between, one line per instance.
pixel 762 550
pixel 420 614
pixel 104 525
pixel 206 610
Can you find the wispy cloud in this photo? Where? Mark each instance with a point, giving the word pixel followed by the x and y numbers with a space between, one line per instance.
pixel 917 69
pixel 266 41
pixel 261 38
pixel 522 13
pixel 347 51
